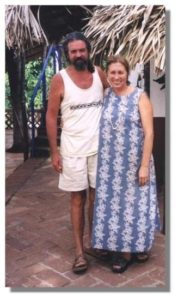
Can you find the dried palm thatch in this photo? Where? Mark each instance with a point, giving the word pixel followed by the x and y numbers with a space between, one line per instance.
pixel 137 32
pixel 22 29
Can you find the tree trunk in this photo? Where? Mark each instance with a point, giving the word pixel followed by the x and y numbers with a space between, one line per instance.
pixel 15 69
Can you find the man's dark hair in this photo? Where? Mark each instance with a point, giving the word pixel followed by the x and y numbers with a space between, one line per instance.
pixel 77 36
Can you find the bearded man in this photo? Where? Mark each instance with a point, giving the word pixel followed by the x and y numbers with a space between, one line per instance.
pixel 77 91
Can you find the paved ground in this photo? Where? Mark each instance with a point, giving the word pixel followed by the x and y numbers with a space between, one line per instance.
pixel 39 244
pixel 13 160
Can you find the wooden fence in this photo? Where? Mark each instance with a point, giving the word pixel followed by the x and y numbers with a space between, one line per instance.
pixel 37 118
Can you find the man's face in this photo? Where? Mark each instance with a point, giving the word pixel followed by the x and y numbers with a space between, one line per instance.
pixel 78 54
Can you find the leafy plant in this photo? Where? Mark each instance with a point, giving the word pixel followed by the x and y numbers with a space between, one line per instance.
pixel 32 73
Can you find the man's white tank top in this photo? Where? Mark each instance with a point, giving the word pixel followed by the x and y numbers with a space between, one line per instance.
pixel 81 112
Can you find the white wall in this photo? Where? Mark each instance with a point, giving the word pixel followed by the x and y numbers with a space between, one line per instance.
pixel 157 95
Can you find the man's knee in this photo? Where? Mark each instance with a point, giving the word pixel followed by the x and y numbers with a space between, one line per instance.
pixel 78 198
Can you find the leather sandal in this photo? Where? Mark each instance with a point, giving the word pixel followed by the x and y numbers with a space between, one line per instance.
pixel 140 257
pixel 120 263
pixel 80 264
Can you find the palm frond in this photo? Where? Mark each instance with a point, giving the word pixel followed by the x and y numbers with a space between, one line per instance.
pixel 22 29
pixel 135 31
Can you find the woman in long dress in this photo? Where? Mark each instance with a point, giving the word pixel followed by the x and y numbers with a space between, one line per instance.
pixel 125 213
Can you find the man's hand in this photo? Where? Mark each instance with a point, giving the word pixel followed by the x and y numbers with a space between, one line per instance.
pixel 57 162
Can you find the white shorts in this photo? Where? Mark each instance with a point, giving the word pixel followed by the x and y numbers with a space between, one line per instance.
pixel 78 173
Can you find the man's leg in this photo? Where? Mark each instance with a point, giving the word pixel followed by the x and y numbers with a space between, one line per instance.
pixel 78 200
pixel 91 199
pixel 92 165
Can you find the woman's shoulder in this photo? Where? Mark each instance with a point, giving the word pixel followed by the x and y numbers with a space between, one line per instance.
pixel 139 92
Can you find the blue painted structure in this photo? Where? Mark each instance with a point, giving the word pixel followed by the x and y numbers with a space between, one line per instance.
pixel 54 51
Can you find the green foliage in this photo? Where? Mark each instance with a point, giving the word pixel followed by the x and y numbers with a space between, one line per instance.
pixel 32 73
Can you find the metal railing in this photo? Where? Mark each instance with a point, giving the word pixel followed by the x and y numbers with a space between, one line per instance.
pixel 55 52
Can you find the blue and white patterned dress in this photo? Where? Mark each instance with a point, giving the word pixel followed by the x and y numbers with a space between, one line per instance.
pixel 125 214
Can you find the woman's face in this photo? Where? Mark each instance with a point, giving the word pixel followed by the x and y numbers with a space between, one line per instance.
pixel 117 75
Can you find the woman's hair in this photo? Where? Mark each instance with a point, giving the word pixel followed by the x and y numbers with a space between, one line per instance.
pixel 118 59
pixel 77 36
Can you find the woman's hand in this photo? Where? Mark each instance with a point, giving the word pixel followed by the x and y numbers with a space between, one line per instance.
pixel 143 175
pixel 57 162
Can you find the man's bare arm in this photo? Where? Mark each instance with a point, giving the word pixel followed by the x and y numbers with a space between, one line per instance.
pixel 54 102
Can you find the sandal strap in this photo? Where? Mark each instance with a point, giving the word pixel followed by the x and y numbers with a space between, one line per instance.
pixel 80 264
pixel 78 256
pixel 80 260
pixel 120 264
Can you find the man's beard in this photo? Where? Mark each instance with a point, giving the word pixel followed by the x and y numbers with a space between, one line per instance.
pixel 80 64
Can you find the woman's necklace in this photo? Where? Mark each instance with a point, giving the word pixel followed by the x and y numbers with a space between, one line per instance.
pixel 114 127
pixel 120 115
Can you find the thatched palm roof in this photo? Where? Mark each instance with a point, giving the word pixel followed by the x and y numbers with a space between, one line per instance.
pixel 137 32
pixel 29 26
pixel 22 29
